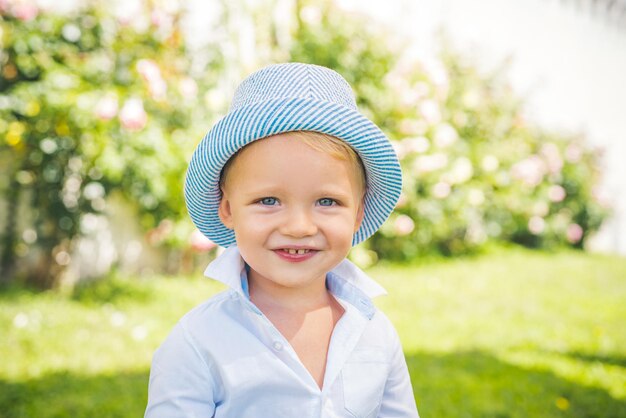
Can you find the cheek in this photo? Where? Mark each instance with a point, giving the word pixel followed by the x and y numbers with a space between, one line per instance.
pixel 248 225
pixel 341 230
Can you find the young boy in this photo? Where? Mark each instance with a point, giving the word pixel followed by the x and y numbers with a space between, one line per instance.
pixel 288 181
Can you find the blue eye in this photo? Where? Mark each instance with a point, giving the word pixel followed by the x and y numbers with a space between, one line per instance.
pixel 268 201
pixel 326 202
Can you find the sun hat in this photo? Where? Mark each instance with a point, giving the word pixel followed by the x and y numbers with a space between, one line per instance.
pixel 284 98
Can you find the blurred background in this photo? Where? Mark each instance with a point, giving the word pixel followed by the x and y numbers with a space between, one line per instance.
pixel 504 259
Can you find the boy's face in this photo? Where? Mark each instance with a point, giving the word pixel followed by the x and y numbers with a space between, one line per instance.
pixel 294 211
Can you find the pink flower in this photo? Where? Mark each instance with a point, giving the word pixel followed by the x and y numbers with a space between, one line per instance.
pixel 106 109
pixel 160 18
pixel 419 144
pixel 441 190
pixel 536 225
pixel 437 72
pixel 530 171
pixel 574 233
pixel 601 196
pixel 188 88
pixel 445 135
pixel 200 243
pixel 428 163
pixel 157 88
pixel 556 193
pixel 409 126
pixel 573 153
pixel 151 73
pixel 462 171
pixel 409 97
pixel 25 11
pixel 148 69
pixel 430 111
pixel 551 154
pixel 133 116
pixel 404 225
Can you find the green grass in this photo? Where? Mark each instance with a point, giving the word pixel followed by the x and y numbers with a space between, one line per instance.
pixel 513 333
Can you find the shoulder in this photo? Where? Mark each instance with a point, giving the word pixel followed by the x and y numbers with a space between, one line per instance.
pixel 196 336
pixel 223 311
pixel 208 309
pixel 204 320
pixel 383 324
pixel 379 334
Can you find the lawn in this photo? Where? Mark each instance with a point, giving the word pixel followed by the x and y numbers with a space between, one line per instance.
pixel 513 333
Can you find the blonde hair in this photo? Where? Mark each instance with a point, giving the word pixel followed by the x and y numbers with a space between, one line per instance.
pixel 322 142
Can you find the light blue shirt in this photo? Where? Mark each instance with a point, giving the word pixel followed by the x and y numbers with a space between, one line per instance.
pixel 226 359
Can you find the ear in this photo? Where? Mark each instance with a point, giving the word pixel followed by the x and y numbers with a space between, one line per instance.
pixel 360 215
pixel 224 212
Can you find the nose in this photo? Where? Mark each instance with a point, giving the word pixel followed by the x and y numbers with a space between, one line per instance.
pixel 298 223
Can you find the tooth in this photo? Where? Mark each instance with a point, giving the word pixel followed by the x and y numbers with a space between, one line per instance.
pixel 301 251
pixel 291 251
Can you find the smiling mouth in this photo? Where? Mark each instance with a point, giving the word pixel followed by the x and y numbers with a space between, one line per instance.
pixel 294 251
pixel 296 255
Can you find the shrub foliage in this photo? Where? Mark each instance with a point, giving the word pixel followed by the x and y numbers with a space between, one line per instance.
pixel 474 169
pixel 92 102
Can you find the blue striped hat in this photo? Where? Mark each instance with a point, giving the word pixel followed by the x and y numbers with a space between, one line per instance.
pixel 284 98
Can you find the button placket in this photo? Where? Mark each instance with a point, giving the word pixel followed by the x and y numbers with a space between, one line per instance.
pixel 266 329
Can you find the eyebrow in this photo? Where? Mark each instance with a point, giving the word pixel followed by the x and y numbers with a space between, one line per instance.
pixel 323 191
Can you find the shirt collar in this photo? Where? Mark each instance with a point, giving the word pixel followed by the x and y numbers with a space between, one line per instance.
pixel 346 280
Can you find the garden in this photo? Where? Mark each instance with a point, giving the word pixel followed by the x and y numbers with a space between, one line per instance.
pixel 501 310
pixel 509 333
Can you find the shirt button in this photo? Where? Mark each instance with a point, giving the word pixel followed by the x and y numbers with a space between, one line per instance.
pixel 277 345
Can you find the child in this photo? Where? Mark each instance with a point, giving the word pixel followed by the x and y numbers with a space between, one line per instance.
pixel 288 181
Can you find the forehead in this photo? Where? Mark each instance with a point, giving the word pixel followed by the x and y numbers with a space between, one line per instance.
pixel 283 157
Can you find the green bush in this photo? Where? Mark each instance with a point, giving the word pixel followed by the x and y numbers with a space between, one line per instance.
pixel 90 102
pixel 474 169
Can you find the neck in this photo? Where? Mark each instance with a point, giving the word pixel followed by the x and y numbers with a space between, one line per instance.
pixel 266 294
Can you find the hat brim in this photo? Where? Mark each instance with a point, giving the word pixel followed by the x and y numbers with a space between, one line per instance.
pixel 271 117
